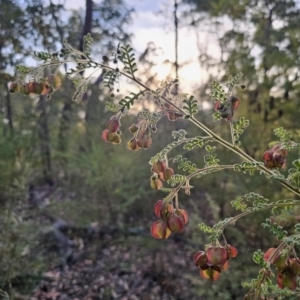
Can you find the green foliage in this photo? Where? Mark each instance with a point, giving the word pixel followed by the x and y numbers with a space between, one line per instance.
pixel 91 165
pixel 239 203
pixel 233 80
pixel 247 167
pixel 184 164
pixel 128 59
pixel 238 129
pixel 282 134
pixel 43 56
pixel 218 93
pixel 258 258
pixel 110 79
pixel 180 134
pixel 87 44
pixel 275 229
pixel 197 141
pixel 211 158
pixel 191 107
pixel 128 101
pixel 109 106
pixel 205 228
pixel 176 179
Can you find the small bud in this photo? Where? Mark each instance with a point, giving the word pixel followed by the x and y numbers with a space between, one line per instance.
pixel 105 59
pixel 153 129
pixel 115 61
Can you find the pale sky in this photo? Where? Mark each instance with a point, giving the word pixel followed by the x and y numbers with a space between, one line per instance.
pixel 148 26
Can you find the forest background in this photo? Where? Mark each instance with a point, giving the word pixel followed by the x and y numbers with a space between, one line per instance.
pixel 75 213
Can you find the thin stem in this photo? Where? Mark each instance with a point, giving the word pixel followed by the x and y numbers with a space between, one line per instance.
pixel 231 132
pixel 247 212
pixel 176 201
pixel 216 168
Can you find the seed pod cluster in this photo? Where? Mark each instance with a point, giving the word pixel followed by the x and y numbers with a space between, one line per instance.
pixel 112 133
pixel 46 86
pixel 171 220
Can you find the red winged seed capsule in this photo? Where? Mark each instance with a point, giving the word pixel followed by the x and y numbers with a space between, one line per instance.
pixel 216 256
pixel 167 174
pixel 158 207
pixel 167 210
pixel 132 145
pixel 156 184
pixel 111 136
pixel 225 266
pixel 182 214
pixel 14 87
pixel 200 260
pixel 275 158
pixel 117 139
pixel 105 134
pixel 286 279
pixel 278 261
pixel 210 273
pixel 144 141
pixel 173 116
pixel 46 89
pixel 113 124
pixel 159 166
pixel 218 105
pixel 24 90
pixel 235 102
pixel 295 265
pixel 159 230
pixel 231 251
pixel 35 88
pixel 133 128
pixel 54 80
pixel 175 223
